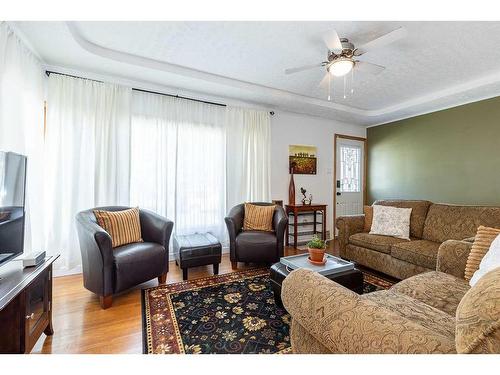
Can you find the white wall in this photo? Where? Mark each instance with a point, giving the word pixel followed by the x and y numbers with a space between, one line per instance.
pixel 294 129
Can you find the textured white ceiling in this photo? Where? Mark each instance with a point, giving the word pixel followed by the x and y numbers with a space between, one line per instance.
pixel 439 64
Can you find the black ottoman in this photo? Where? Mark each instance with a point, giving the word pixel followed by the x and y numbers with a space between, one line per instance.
pixel 196 250
pixel 351 279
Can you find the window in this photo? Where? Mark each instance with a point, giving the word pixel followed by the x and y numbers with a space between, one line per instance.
pixel 178 162
pixel 350 169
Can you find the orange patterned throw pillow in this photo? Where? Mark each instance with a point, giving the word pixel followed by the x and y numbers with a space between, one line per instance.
pixel 368 211
pixel 123 226
pixel 480 247
pixel 258 217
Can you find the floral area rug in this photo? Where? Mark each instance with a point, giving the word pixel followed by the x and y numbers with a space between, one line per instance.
pixel 225 314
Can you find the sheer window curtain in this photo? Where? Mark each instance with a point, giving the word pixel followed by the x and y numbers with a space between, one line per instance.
pixel 22 84
pixel 87 157
pixel 106 145
pixel 249 155
pixel 178 161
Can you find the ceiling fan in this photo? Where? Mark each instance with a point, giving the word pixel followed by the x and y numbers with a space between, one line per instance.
pixel 342 54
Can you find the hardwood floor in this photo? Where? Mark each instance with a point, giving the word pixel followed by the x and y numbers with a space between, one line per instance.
pixel 81 326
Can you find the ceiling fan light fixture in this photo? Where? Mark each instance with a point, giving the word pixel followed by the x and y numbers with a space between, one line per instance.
pixel 340 67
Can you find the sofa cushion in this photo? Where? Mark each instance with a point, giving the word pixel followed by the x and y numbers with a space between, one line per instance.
pixel 448 222
pixel 375 242
pixel 478 317
pixel 382 262
pixel 490 261
pixel 138 262
pixel 252 245
pixel 436 289
pixel 481 245
pixel 420 252
pixel 418 213
pixel 416 311
pixel 368 211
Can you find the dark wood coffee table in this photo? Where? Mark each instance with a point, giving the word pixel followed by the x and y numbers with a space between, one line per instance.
pixel 351 279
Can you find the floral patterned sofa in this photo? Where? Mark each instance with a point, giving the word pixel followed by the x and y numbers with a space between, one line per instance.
pixel 430 226
pixel 433 312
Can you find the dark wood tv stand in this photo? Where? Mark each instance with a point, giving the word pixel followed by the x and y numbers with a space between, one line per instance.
pixel 25 305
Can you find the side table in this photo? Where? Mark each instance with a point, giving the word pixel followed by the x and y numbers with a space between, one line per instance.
pixel 301 209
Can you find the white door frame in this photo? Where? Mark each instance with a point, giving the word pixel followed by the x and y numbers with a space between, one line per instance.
pixel 365 167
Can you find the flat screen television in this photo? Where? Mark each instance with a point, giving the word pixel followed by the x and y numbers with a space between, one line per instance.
pixel 12 214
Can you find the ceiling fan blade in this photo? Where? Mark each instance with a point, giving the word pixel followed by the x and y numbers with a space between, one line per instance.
pixel 302 68
pixel 332 41
pixel 363 66
pixel 382 41
pixel 324 81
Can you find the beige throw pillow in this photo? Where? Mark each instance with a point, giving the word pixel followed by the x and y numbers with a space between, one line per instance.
pixel 391 221
pixel 480 247
pixel 123 226
pixel 258 217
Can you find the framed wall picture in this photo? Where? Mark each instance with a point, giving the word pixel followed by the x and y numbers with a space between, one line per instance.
pixel 302 159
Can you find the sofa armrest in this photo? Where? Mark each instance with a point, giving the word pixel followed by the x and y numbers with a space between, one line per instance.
pixel 280 221
pixel 158 229
pixel 469 239
pixel 97 255
pixel 452 257
pixel 343 322
pixel 347 226
pixel 155 228
pixel 234 224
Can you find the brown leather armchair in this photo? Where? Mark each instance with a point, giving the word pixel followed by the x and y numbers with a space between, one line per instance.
pixel 255 246
pixel 107 271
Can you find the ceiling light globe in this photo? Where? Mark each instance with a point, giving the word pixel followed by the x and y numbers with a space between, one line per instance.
pixel 341 67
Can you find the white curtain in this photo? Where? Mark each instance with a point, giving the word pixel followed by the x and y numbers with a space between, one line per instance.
pixel 21 121
pixel 87 157
pixel 178 161
pixel 249 155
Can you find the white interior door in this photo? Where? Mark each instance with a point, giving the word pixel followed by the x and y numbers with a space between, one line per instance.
pixel 349 177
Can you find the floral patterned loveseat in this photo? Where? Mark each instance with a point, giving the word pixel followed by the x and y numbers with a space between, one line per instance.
pixel 431 225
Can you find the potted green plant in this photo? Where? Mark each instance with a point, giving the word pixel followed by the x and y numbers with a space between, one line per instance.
pixel 316 248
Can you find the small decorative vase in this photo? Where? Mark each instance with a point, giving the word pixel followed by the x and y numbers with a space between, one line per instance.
pixel 291 190
pixel 316 255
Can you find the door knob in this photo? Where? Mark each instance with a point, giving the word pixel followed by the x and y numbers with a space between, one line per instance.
pixel 31 316
pixel 339 193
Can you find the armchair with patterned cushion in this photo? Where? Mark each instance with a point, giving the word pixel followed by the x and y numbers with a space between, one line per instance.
pixel 432 312
pixel 108 270
pixel 251 246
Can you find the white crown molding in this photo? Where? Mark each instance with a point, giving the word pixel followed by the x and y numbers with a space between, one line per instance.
pixel 145 62
pixel 369 115
pixel 440 94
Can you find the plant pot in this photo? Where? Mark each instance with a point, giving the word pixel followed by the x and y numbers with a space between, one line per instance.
pixel 316 255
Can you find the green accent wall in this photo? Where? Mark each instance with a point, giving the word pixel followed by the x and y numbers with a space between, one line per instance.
pixel 450 156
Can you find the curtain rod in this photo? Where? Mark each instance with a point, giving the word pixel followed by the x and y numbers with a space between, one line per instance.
pixel 49 72
pixel 180 97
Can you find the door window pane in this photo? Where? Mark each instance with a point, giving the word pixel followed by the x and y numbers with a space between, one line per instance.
pixel 350 169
